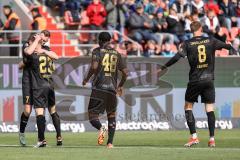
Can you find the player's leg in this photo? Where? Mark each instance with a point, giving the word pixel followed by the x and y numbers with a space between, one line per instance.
pixel 191 96
pixel 94 109
pixel 95 122
pixel 111 128
pixel 191 124
pixel 211 123
pixel 27 102
pixel 23 123
pixel 40 103
pixel 41 124
pixel 55 117
pixel 24 117
pixel 57 124
pixel 111 103
pixel 208 97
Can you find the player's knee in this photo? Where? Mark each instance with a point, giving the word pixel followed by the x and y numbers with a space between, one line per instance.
pixel 27 110
pixel 26 113
pixel 52 109
pixel 92 116
pixel 111 115
pixel 39 111
pixel 209 107
pixel 188 106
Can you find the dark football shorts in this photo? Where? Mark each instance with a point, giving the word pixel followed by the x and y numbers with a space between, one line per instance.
pixel 43 97
pixel 26 88
pixel 205 89
pixel 101 101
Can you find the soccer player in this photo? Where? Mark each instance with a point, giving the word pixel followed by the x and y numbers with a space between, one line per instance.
pixel 106 62
pixel 27 91
pixel 43 95
pixel 200 52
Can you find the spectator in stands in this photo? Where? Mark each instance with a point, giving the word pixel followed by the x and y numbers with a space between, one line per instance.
pixel 131 6
pixel 150 49
pixel 149 7
pixel 160 27
pixel 141 26
pixel 238 13
pixel 212 26
pixel 183 8
pixel 167 52
pixel 188 21
pixel 211 5
pixel 175 25
pixel 96 13
pixel 1 28
pixel 132 49
pixel 72 17
pixel 198 7
pixel 116 11
pixel 211 23
pixel 39 22
pixel 61 4
pixel 12 23
pixel 229 14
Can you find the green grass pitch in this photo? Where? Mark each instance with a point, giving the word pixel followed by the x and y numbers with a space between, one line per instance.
pixel 155 145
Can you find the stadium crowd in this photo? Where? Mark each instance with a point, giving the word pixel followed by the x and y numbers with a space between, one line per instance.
pixel 158 25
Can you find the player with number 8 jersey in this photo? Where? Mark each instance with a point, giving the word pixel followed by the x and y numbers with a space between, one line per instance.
pixel 200 52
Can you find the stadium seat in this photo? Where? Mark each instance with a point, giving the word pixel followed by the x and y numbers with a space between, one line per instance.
pixel 57 37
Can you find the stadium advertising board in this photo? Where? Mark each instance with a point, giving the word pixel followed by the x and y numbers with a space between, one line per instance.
pixel 151 101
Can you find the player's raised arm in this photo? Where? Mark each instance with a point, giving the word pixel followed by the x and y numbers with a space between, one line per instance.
pixel 51 54
pixel 30 49
pixel 181 53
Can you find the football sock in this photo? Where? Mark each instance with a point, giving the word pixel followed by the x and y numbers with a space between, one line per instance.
pixel 56 123
pixel 211 138
pixel 211 123
pixel 194 135
pixel 23 122
pixel 111 129
pixel 96 124
pixel 41 123
pixel 190 121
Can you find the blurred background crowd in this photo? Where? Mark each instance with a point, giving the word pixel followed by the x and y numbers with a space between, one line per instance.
pixel 157 25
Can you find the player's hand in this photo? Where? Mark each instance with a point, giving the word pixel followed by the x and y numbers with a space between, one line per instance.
pixel 84 82
pixel 37 37
pixel 21 65
pixel 119 91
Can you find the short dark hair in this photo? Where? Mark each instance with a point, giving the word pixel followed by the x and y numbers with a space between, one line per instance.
pixel 195 26
pixel 7 7
pixel 104 37
pixel 35 10
pixel 46 33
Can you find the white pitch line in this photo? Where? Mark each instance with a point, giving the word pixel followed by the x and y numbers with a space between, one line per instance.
pixel 130 147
